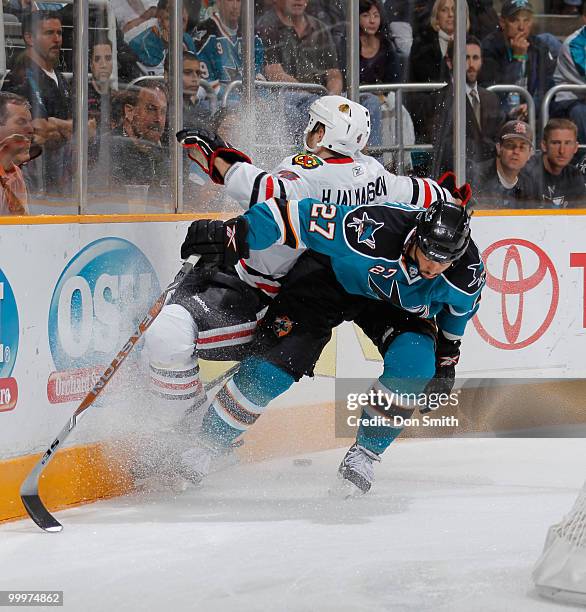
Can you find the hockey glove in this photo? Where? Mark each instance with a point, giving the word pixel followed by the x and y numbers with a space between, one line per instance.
pixel 462 193
pixel 218 242
pixel 203 146
pixel 447 355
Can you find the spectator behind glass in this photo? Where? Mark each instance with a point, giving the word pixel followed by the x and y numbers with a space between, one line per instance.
pixel 484 119
pixel 100 110
pixel 219 46
pixel 571 69
pixel 560 184
pixel 197 109
pixel 36 78
pixel 16 132
pixel 514 56
pixel 483 17
pixel 507 184
pixel 130 13
pixel 333 14
pixel 138 156
pixel 427 62
pixel 150 44
pixel 379 62
pixel 299 48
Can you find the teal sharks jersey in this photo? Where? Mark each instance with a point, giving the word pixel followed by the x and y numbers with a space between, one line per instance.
pixel 220 52
pixel 366 248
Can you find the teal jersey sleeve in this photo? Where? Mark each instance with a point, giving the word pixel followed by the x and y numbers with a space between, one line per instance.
pixel 453 319
pixel 299 224
pixel 462 298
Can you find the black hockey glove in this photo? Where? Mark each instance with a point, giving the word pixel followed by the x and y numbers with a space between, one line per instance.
pixel 447 355
pixel 218 242
pixel 203 146
pixel 462 193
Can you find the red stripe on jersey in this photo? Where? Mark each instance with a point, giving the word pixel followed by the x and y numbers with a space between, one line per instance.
pixel 222 337
pixel 270 188
pixel 339 160
pixel 176 386
pixel 267 288
pixel 427 196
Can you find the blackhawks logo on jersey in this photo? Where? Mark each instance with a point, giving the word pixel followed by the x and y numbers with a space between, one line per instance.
pixel 307 161
pixel 282 326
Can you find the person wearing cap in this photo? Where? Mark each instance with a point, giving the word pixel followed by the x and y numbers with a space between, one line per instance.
pixel 507 184
pixel 513 55
pixel 560 184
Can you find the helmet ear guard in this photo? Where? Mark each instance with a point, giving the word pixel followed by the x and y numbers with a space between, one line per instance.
pixel 443 231
pixel 346 125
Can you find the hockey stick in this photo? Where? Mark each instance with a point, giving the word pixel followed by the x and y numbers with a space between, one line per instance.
pixel 221 377
pixel 29 490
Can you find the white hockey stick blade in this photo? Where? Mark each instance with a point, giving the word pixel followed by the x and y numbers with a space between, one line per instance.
pixel 29 490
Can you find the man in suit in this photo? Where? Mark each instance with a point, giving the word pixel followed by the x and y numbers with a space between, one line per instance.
pixel 484 119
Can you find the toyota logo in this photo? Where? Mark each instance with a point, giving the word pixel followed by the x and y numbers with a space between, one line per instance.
pixel 524 267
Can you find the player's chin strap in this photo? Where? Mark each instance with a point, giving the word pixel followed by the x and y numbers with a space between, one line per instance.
pixel 411 262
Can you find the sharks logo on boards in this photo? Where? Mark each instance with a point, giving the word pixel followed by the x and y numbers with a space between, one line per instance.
pixel 365 229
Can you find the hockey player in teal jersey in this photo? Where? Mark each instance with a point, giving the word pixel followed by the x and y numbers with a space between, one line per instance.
pixel 411 279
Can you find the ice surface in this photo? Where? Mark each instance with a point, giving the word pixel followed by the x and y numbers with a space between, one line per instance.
pixel 452 525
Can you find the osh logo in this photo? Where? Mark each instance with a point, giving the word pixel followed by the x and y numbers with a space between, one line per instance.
pixel 365 229
pixel 525 293
pixel 100 297
pixel 9 336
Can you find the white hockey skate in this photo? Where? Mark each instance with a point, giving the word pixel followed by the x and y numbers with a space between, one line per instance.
pixel 195 463
pixel 357 471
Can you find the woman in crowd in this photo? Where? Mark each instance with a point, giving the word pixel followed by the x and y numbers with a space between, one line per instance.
pixel 427 62
pixel 379 62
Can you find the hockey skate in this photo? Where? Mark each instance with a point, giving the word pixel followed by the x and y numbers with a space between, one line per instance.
pixel 357 471
pixel 196 463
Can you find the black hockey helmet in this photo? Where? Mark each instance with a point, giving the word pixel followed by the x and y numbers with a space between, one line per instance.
pixel 443 231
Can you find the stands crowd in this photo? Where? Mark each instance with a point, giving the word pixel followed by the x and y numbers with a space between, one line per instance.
pixel 512 162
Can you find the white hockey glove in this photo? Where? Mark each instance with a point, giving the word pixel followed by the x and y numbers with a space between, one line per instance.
pixel 203 146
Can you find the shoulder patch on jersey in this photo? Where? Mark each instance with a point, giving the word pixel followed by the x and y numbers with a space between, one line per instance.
pixel 375 231
pixel 288 175
pixel 468 275
pixel 307 161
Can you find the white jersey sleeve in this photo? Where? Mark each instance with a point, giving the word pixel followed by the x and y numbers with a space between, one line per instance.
pixel 416 191
pixel 248 184
pixel 361 180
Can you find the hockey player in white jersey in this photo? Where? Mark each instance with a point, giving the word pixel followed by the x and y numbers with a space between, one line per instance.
pixel 333 169
pixel 215 313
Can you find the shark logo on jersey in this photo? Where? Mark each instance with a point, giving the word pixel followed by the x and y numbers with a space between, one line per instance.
pixel 478 274
pixel 366 228
pixel 559 201
pixel 391 293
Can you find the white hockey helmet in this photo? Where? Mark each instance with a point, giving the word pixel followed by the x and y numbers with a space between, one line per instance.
pixel 347 124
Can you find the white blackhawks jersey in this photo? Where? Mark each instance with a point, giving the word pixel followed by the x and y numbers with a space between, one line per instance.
pixel 338 180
